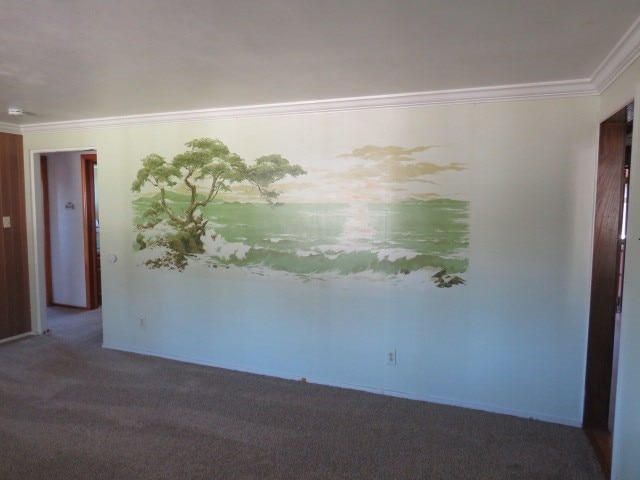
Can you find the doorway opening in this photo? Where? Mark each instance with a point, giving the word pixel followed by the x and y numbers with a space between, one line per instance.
pixel 614 164
pixel 71 229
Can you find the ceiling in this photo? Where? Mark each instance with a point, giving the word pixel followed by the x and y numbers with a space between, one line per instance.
pixel 68 60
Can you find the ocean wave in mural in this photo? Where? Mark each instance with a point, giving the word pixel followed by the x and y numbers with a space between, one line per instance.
pixel 373 214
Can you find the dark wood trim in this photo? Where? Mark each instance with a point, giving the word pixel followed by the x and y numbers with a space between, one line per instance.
pixel 15 307
pixel 602 444
pixel 606 267
pixel 44 173
pixel 89 215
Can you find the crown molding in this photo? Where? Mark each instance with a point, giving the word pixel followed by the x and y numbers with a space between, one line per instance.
pixel 405 100
pixel 10 128
pixel 626 51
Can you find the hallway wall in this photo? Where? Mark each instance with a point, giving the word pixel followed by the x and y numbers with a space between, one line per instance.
pixel 67 229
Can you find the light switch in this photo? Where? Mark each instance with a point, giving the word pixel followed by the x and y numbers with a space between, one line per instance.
pixel 6 222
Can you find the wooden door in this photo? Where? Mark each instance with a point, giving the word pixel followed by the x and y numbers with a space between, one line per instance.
pixel 606 268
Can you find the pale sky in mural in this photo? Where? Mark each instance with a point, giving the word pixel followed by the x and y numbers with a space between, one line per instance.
pixel 370 174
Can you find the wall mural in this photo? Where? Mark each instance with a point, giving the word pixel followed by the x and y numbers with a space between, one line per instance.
pixel 375 213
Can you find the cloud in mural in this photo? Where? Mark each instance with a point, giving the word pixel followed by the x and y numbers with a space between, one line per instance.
pixel 369 174
pixel 389 173
pixel 371 152
pixel 395 164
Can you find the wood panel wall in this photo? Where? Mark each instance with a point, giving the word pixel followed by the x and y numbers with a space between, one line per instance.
pixel 15 315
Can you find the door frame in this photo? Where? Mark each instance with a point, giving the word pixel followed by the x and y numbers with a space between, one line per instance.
pixel 44 172
pixel 36 242
pixel 605 269
pixel 91 268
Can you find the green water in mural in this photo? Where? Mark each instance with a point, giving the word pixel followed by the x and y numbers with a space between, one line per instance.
pixel 342 239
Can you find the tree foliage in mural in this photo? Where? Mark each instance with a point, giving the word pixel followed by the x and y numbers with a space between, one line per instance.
pixel 205 169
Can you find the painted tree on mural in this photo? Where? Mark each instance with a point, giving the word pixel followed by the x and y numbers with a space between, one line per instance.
pixel 204 170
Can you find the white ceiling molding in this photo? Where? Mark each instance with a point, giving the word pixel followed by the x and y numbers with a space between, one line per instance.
pixel 10 128
pixel 405 100
pixel 623 54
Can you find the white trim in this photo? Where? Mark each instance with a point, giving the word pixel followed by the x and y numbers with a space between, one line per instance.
pixel 43 151
pixel 17 337
pixel 10 128
pixel 626 51
pixel 621 56
pixel 381 391
pixel 569 88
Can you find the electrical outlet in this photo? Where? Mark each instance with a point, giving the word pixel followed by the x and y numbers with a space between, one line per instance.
pixel 391 357
pixel 6 222
pixel 142 322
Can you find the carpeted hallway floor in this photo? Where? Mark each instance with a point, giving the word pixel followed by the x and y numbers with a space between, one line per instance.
pixel 70 409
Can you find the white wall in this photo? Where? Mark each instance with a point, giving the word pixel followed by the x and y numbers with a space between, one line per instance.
pixel 67 234
pixel 512 340
pixel 626 438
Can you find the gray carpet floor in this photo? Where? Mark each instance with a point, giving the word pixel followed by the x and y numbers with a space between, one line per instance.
pixel 70 409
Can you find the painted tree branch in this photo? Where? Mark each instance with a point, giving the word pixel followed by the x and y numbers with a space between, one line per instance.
pixel 208 165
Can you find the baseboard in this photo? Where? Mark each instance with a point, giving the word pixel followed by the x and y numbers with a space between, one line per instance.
pixel 17 337
pixel 381 391
pixel 64 305
pixel 603 447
